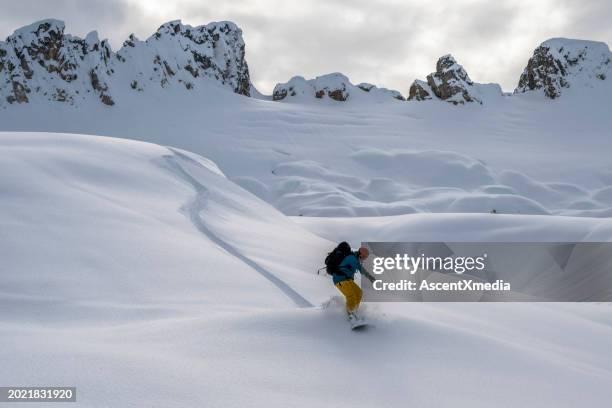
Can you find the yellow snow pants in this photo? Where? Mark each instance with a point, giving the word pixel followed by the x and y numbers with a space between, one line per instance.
pixel 351 292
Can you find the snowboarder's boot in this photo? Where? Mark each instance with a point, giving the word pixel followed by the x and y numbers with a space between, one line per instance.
pixel 353 317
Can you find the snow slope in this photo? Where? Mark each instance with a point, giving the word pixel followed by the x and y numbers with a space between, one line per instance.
pixel 143 276
pixel 134 205
pixel 521 154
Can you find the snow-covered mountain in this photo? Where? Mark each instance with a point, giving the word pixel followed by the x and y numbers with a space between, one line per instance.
pixel 335 87
pixel 561 63
pixel 452 84
pixel 41 63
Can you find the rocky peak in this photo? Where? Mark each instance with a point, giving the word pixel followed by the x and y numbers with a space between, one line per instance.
pixel 42 40
pixel 448 70
pixel 214 51
pixel 562 63
pixel 40 61
pixel 451 83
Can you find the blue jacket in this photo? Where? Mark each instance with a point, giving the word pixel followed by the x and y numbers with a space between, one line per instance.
pixel 349 265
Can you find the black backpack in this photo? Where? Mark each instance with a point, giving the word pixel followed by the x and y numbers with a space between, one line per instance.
pixel 333 259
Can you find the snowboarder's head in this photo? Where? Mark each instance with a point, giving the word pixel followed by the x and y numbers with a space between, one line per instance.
pixel 363 253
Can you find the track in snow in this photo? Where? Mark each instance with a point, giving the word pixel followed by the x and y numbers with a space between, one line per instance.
pixel 198 204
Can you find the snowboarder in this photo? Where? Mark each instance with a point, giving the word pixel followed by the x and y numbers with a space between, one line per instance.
pixel 342 264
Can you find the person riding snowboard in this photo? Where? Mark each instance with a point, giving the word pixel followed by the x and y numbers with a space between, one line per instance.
pixel 342 264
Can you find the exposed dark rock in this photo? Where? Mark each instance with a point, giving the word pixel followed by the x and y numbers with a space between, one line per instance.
pixel 107 100
pixel 19 94
pixel 419 91
pixel 365 86
pixel 562 63
pixel 337 94
pixel 450 82
pixel 280 94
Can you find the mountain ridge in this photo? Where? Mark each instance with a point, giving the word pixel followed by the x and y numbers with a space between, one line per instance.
pixel 40 62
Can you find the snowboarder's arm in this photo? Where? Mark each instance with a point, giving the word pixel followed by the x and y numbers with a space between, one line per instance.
pixel 365 273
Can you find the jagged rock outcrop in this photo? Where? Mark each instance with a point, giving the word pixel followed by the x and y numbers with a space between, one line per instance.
pixel 41 62
pixel 334 86
pixel 452 84
pixel 562 63
pixel 419 91
pixel 182 54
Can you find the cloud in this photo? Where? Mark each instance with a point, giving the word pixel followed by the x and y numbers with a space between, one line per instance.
pixel 81 17
pixel 387 42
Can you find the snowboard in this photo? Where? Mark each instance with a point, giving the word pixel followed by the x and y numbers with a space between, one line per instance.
pixel 359 325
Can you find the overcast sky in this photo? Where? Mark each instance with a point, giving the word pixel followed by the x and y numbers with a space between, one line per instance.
pixel 387 42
